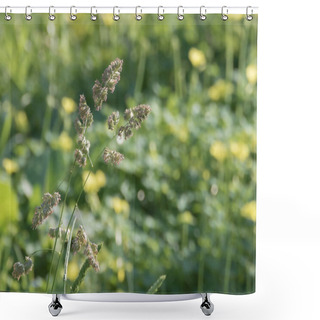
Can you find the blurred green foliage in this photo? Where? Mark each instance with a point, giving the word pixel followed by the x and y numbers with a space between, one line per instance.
pixel 182 203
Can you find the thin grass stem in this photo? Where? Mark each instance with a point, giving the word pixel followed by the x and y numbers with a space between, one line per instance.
pixel 59 224
pixel 67 258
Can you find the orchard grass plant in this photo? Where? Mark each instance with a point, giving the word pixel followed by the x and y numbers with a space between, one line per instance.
pixel 77 241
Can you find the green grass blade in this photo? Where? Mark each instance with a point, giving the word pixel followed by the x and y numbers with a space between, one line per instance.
pixel 5 132
pixel 82 273
pixel 67 256
pixel 154 288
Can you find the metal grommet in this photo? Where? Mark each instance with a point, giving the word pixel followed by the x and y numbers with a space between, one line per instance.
pixel 28 16
pixel 116 17
pixel 160 16
pixel 224 16
pixel 249 17
pixel 6 15
pixel 73 17
pixel 138 16
pixel 180 15
pixel 93 16
pixel 203 13
pixel 52 16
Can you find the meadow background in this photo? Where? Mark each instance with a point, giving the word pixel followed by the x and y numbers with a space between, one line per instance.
pixel 182 203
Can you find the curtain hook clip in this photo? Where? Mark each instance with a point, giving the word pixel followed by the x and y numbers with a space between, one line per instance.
pixel 138 16
pixel 224 16
pixel 160 16
pixel 116 17
pixel 28 16
pixel 180 15
pixel 52 16
pixel 249 17
pixel 6 15
pixel 73 17
pixel 203 15
pixel 93 16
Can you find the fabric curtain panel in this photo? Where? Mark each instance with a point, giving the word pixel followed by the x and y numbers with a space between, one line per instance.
pixel 128 154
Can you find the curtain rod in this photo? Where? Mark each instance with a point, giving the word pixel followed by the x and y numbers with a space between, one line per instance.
pixel 129 10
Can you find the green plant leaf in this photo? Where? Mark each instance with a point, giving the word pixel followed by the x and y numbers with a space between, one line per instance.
pixel 155 287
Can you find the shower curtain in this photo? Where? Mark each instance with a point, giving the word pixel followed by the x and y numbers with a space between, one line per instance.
pixel 128 154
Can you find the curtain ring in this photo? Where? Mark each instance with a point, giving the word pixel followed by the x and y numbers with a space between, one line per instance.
pixel 180 15
pixel 93 16
pixel 160 16
pixel 203 15
pixel 6 15
pixel 116 17
pixel 138 16
pixel 73 17
pixel 224 16
pixel 28 16
pixel 249 17
pixel 51 16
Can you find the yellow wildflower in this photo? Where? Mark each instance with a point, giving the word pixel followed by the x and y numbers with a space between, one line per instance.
pixel 68 104
pixel 251 73
pixel 65 142
pixel 183 134
pixel 73 270
pixel 22 121
pixel 249 210
pixel 101 178
pixel 95 181
pixel 165 187
pixel 240 150
pixel 220 90
pixel 121 275
pixel 10 165
pixel 107 19
pixel 253 140
pixel 120 205
pixel 206 174
pixel 236 17
pixel 197 58
pixel 180 131
pixel 153 150
pixel 218 151
pixel 186 217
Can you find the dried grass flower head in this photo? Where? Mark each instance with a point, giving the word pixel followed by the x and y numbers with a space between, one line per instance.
pixel 82 123
pixel 21 269
pixel 113 120
pixel 90 248
pixel 28 265
pixel 110 78
pixel 80 158
pixel 59 233
pixel 84 112
pixel 133 119
pixel 134 116
pixel 18 270
pixel 91 252
pixel 112 157
pixel 80 240
pixel 45 209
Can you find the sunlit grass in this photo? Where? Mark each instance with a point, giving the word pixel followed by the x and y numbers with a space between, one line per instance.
pixel 183 202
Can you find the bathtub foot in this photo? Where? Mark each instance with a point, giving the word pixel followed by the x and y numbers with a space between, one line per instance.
pixel 55 306
pixel 206 305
